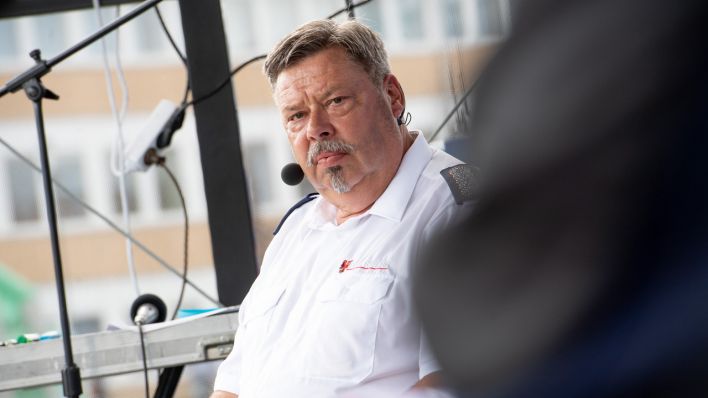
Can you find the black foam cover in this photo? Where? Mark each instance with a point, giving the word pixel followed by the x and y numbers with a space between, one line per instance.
pixel 151 299
pixel 292 174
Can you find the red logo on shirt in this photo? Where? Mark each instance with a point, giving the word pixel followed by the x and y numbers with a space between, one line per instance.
pixel 345 266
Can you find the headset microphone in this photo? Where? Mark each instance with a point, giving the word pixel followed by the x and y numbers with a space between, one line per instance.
pixel 403 118
pixel 292 174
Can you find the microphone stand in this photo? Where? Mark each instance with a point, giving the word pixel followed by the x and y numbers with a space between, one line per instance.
pixel 30 82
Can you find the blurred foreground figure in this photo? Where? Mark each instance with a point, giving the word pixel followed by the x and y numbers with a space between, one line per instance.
pixel 584 270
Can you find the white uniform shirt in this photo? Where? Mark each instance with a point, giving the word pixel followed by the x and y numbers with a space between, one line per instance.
pixel 308 330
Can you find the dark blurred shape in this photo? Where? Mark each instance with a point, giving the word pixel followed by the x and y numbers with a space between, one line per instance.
pixel 292 174
pixel 584 270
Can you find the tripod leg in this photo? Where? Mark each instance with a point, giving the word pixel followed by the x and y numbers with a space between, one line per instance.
pixel 71 374
pixel 168 382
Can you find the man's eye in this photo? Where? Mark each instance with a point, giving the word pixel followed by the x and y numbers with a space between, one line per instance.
pixel 296 116
pixel 337 100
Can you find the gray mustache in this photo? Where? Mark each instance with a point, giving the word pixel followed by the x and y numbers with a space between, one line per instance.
pixel 326 146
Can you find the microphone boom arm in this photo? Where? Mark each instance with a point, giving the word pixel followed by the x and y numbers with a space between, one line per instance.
pixel 30 81
pixel 43 67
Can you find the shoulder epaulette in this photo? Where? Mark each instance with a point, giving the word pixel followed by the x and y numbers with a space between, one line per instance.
pixel 309 197
pixel 463 181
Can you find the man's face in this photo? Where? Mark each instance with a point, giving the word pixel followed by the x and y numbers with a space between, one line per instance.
pixel 340 124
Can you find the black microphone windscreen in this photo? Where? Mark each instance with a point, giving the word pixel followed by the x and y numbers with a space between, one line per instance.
pixel 292 174
pixel 153 307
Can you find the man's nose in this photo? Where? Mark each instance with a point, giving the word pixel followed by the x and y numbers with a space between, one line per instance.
pixel 319 126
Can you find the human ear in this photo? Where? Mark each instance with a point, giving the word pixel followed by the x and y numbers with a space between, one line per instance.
pixel 396 97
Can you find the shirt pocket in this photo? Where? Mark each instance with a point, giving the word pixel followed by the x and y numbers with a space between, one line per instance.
pixel 257 315
pixel 345 325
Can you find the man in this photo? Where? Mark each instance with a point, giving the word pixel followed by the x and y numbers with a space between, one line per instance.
pixel 331 311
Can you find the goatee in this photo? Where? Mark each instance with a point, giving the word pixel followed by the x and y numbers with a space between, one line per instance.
pixel 336 180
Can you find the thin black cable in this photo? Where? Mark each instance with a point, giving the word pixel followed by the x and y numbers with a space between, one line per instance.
pixel 226 81
pixel 151 157
pixel 181 56
pixel 186 234
pixel 187 89
pixel 452 112
pixel 161 162
pixel 169 36
pixel 110 223
pixel 145 367
pixel 262 56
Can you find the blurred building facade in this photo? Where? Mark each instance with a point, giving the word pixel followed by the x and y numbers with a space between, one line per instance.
pixel 433 46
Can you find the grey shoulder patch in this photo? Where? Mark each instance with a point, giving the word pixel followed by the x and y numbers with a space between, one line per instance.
pixel 463 181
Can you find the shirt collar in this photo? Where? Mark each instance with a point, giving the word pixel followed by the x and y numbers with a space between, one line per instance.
pixel 394 200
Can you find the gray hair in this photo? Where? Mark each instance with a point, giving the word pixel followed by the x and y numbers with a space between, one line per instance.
pixel 362 45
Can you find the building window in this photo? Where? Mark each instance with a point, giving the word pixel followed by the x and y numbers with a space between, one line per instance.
pixel 238 23
pixel 452 18
pixel 25 205
pixel 150 37
pixel 8 48
pixel 68 172
pixel 490 18
pixel 130 190
pixel 284 18
pixel 412 19
pixel 91 25
pixel 370 15
pixel 258 173
pixel 86 324
pixel 50 34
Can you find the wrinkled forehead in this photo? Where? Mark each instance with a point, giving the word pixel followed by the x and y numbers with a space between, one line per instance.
pixel 332 55
pixel 318 74
pixel 294 84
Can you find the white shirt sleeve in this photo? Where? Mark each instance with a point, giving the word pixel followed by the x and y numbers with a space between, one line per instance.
pixel 228 377
pixel 427 363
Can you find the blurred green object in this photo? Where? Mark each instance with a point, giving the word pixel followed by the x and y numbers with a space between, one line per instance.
pixel 14 292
